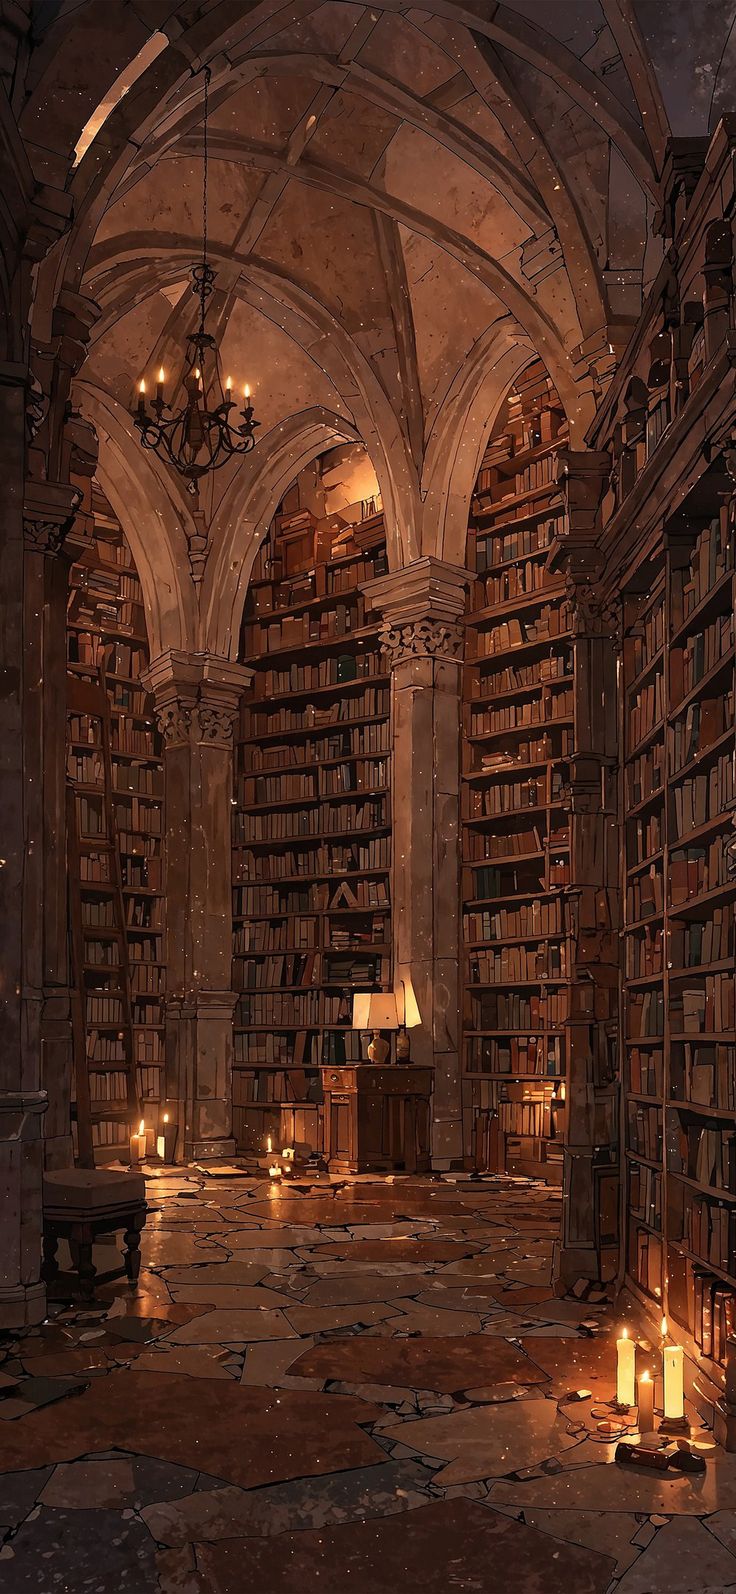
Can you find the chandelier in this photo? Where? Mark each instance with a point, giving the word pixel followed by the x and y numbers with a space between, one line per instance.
pixel 204 433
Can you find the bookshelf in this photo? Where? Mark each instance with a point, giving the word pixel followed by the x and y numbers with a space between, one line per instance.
pixel 678 793
pixel 115 781
pixel 312 820
pixel 518 726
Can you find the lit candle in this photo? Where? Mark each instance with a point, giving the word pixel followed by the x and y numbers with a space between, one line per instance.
pixel 141 397
pixel 269 1146
pixel 169 1139
pixel 138 1144
pixel 229 388
pixel 275 1171
pixel 625 1370
pixel 673 1365
pixel 160 384
pixel 645 1403
pixel 161 1147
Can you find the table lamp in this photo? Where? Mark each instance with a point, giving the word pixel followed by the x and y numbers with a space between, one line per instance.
pixel 409 1017
pixel 376 1010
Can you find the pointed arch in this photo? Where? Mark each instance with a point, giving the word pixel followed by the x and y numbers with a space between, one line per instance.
pixel 246 511
pixel 154 517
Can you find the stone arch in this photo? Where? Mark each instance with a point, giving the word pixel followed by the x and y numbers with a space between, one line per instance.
pixel 460 435
pixel 273 292
pixel 154 518
pixel 246 511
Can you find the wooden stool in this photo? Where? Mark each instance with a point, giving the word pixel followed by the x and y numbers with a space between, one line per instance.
pixel 79 1204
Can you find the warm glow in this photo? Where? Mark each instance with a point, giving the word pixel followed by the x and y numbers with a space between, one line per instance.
pixel 141 386
pixel 141 1127
pixel 161 374
pixel 663 1327
pixel 166 1117
pixel 268 1144
pixel 407 1006
pixel 646 1378
pixel 229 384
pixel 246 391
pixel 673 1358
pixel 625 1370
pixel 197 373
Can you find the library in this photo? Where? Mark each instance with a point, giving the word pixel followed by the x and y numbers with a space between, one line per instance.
pixel 368 774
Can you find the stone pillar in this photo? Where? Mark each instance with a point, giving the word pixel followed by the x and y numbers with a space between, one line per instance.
pixel 197 696
pixel 591 1194
pixel 422 639
pixel 22 1101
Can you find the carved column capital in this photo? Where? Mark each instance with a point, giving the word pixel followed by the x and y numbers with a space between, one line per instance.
pixel 196 697
pixel 49 509
pixel 422 607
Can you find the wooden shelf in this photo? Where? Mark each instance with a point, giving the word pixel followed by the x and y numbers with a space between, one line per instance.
pixel 650 608
pixel 284 780
pixel 525 1121
pixel 113 724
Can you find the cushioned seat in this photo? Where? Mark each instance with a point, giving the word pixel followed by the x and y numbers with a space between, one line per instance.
pixel 90 1189
pixel 80 1204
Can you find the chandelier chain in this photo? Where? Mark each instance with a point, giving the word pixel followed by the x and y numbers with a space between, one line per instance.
pixel 200 436
pixel 205 172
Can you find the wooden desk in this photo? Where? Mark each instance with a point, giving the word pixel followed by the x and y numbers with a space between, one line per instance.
pixel 376 1118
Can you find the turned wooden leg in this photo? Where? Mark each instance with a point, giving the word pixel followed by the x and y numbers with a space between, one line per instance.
pixel 49 1266
pixel 132 1257
pixel 86 1271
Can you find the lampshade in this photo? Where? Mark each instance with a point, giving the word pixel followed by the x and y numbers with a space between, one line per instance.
pixel 375 1010
pixel 406 1005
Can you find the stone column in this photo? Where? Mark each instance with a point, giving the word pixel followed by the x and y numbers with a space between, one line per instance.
pixel 22 1101
pixel 422 640
pixel 197 696
pixel 591 1176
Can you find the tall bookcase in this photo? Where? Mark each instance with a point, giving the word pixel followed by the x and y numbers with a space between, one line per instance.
pixel 517 732
pixel 115 777
pixel 678 795
pixel 312 821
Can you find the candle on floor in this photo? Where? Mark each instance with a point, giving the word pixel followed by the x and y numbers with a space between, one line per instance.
pixel 673 1366
pixel 269 1147
pixel 169 1139
pixel 645 1403
pixel 625 1370
pixel 275 1171
pixel 138 1144
pixel 161 1147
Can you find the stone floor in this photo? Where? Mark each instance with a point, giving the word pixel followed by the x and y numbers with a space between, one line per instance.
pixel 364 1386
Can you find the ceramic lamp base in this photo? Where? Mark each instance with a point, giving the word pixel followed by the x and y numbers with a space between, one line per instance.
pixel 379 1048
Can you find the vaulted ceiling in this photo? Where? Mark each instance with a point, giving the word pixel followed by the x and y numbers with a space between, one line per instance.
pixel 405 202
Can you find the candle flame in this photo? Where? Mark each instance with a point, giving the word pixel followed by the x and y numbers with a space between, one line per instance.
pixel 197 373
pixel 161 373
pixel 664 1326
pixel 624 1333
pixel 141 386
pixel 246 391
pixel 646 1378
pixel 141 1127
pixel 229 383
pixel 166 1117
